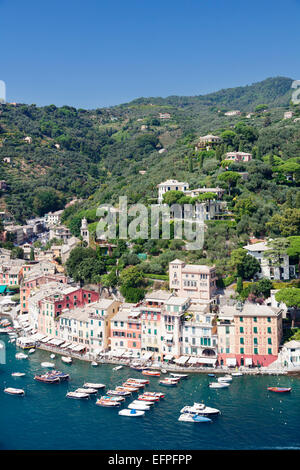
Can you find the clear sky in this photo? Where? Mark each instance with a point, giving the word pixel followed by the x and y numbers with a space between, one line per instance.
pixel 93 53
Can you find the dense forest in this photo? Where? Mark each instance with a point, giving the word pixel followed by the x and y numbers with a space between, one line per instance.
pixel 97 156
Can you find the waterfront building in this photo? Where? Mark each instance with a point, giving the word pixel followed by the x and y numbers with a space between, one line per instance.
pixel 191 280
pixel 126 330
pixel 171 327
pixel 248 334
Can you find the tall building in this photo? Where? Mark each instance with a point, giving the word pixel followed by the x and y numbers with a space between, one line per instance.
pixel 84 231
pixel 191 280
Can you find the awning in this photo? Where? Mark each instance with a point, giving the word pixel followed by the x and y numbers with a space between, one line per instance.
pixel 231 361
pixel 168 357
pixel 147 355
pixel 193 360
pixel 46 339
pixel 25 340
pixel 37 337
pixel 56 341
pixel 182 359
pixel 203 360
pixel 248 361
pixel 79 347
pixel 65 345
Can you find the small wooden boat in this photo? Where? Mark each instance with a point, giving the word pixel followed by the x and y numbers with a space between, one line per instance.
pixel 107 402
pixel 144 402
pixel 153 373
pixel 90 391
pixel 147 398
pixel 116 398
pixel 116 393
pixel 18 374
pixel 141 381
pixel 66 359
pixel 168 383
pixel 128 388
pixel 133 384
pixel 77 395
pixel 131 413
pixel 14 391
pixel 93 385
pixel 279 389
pixel 154 394
pixel 47 379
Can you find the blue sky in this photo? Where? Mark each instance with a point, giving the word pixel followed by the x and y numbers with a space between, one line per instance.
pixel 93 53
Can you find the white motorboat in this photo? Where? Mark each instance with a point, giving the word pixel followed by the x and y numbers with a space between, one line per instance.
pixel 147 403
pixel 226 378
pixel 18 374
pixel 219 385
pixel 200 408
pixel 31 351
pixel 236 374
pixel 66 359
pixel 49 365
pixel 93 385
pixel 90 391
pixel 14 391
pixel 180 376
pixel 77 395
pixel 132 413
pixel 193 418
pixel 164 371
pixel 140 406
pixel 52 356
pixel 107 402
pixel 94 363
pixel 21 356
pixel 118 368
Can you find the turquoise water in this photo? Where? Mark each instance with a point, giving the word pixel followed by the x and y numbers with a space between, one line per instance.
pixel 252 417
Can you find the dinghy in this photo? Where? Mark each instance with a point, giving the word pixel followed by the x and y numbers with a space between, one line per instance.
pixel 49 365
pixel 21 356
pixel 219 385
pixel 139 406
pixel 18 374
pixel 193 418
pixel 90 391
pixel 66 359
pixel 77 395
pixel 93 385
pixel 279 389
pixel 118 368
pixel 14 391
pixel 131 413
pixel 116 393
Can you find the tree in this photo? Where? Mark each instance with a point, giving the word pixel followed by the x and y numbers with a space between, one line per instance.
pixel 278 248
pixel 294 249
pixel 239 285
pixel 131 277
pixel 172 197
pixel 229 177
pixel 290 296
pixel 246 266
pixel 286 223
pixel 31 254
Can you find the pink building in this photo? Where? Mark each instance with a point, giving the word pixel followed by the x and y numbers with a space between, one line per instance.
pixel 249 335
pixel 34 282
pixel 125 330
pixel 239 156
pixel 192 280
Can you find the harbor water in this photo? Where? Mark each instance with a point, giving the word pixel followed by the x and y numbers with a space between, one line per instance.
pixel 44 419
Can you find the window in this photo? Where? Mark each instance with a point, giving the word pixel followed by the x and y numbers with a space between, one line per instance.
pixel 241 319
pixel 241 350
pixel 227 330
pixel 255 329
pixel 255 340
pixel 255 319
pixel 269 319
pixel 269 350
pixel 269 329
pixel 241 340
pixel 241 329
pixel 269 340
pixel 255 351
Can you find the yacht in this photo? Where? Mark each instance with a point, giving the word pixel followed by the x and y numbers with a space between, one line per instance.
pixel 200 408
pixel 180 376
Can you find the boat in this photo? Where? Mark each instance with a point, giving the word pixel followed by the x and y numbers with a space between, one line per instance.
pixel 139 368
pixel 128 388
pixel 48 364
pixel 133 384
pixel 18 374
pixel 226 378
pixel 211 375
pixel 172 379
pixel 66 359
pixel 193 418
pixel 93 385
pixel 133 413
pixel 219 385
pixel 52 377
pixel 143 402
pixel 94 363
pixel 139 406
pixel 154 394
pixel 118 368
pixel 200 409
pixel 31 351
pixel 5 323
pixel 153 373
pixel 236 374
pixel 163 371
pixel 168 383
pixel 180 376
pixel 14 391
pixel 141 381
pixel 116 393
pixel 279 389
pixel 52 356
pixel 90 391
pixel 21 356
pixel 107 402
pixel 147 398
pixel 117 398
pixel 77 395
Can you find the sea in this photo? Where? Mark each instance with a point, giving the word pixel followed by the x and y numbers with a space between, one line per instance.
pixel 251 418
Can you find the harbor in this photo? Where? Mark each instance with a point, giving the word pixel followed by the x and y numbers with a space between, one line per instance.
pixel 43 417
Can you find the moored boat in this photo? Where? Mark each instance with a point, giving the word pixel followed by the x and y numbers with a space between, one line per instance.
pixel 199 409
pixel 139 406
pixel 168 383
pixel 153 373
pixel 14 391
pixel 52 356
pixel 279 389
pixel 236 374
pixel 115 393
pixel 77 395
pixel 147 403
pixel 133 384
pixel 141 381
pixel 219 385
pixel 21 356
pixel 131 413
pixel 31 351
pixel 147 398
pixel 94 363
pixel 127 388
pixel 93 385
pixel 90 391
pixel 111 398
pixel 48 364
pixel 107 402
pixel 194 418
pixel 117 367
pixel 66 359
pixel 18 374
pixel 180 376
pixel 154 394
pixel 226 378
